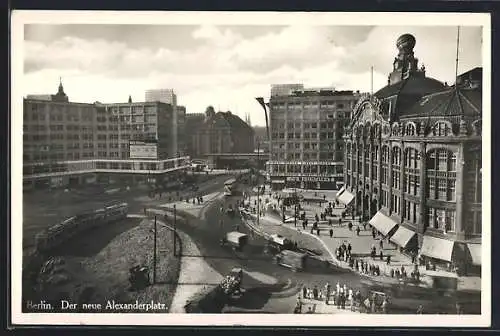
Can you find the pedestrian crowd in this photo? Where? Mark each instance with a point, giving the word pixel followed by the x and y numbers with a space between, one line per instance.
pixel 343 297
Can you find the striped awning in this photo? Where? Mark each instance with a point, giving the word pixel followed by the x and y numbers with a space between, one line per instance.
pixel 475 252
pixel 437 248
pixel 402 236
pixel 384 224
pixel 340 191
pixel 346 197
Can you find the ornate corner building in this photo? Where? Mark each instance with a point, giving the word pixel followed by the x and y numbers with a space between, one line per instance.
pixel 413 162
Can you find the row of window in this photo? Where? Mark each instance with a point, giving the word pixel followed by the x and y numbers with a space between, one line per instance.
pixel 306 169
pixel 312 104
pixel 443 189
pixel 306 135
pixel 439 159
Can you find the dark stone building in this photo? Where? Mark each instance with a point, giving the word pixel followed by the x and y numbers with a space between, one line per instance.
pixel 413 162
pixel 221 133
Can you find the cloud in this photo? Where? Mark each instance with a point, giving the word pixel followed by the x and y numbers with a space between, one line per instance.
pixel 222 66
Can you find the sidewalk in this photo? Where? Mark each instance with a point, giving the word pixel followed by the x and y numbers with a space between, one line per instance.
pixel 361 245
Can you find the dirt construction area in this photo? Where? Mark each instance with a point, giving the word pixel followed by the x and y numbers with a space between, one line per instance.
pixel 93 269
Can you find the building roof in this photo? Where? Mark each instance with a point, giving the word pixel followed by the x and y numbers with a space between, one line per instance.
pixel 229 119
pixel 456 101
pixel 235 121
pixel 411 86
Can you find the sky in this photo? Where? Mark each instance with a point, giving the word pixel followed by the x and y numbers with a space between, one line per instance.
pixel 227 66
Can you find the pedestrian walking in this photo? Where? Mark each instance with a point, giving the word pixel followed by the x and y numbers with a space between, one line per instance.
pixel 420 309
pixel 364 226
pixel 317 231
pixel 315 292
pixel 349 248
pixel 381 244
pixel 381 255
pixel 388 260
pixel 357 230
pixel 384 306
pixel 328 290
pixel 304 292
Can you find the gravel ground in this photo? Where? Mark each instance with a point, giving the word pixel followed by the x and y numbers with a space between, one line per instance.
pixel 104 276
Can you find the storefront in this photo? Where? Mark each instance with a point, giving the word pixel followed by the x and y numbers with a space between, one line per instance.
pixel 439 250
pixel 383 224
pixel 345 197
pixel 304 182
pixel 405 239
pixel 475 256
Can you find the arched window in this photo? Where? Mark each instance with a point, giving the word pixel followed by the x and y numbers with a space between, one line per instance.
pixel 396 156
pixel 387 130
pixel 395 129
pixel 441 128
pixel 385 154
pixel 410 129
pixel 348 148
pixel 477 125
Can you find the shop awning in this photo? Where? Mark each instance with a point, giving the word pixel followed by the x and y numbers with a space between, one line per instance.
pixel 277 181
pixel 340 191
pixel 437 248
pixel 475 252
pixel 402 236
pixel 346 197
pixel 382 223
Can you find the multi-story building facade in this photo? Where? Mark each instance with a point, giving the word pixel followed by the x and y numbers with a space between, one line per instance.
pixel 222 133
pixel 181 131
pixel 69 143
pixel 285 89
pixel 306 138
pixel 168 96
pixel 194 121
pixel 413 162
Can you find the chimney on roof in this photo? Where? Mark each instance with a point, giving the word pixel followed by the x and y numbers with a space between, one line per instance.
pixel 130 99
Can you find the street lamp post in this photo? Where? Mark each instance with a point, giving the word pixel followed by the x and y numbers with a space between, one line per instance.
pixel 175 230
pixel 154 252
pixel 258 186
pixel 295 216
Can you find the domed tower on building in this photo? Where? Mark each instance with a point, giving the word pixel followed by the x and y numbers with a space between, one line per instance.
pixel 413 163
pixel 405 64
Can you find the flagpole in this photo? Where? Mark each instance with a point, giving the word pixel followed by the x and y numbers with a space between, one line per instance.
pixel 456 60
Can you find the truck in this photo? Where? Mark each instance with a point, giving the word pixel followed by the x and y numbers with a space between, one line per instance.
pixel 277 243
pixel 296 261
pixel 235 240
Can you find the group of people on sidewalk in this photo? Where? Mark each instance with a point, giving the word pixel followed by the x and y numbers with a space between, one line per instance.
pixel 342 296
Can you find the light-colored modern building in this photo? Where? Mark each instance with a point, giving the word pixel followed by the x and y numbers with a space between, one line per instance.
pixel 306 129
pixel 167 96
pixel 285 89
pixel 70 143
pixel 413 162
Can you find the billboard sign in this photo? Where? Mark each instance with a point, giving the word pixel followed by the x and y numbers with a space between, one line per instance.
pixel 143 150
